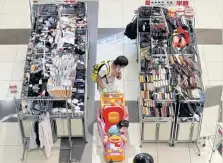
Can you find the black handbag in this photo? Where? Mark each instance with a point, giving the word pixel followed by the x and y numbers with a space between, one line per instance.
pixel 131 29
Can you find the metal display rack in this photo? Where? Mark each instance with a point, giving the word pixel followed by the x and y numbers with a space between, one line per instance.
pixel 145 52
pixel 157 105
pixel 42 56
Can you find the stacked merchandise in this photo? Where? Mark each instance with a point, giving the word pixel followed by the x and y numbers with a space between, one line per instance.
pixel 54 87
pixel 170 67
pixel 155 76
pixel 185 64
pixel 55 65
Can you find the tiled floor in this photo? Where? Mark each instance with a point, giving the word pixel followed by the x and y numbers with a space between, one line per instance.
pixel 113 16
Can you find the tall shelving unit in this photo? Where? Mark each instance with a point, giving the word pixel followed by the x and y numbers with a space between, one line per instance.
pixel 156 97
pixel 66 102
pixel 180 126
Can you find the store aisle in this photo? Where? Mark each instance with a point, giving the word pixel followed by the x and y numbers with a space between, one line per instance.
pixel 14 34
pixel 162 153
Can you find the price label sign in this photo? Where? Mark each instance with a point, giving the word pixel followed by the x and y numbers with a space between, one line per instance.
pixel 167 2
pixel 54 1
pixel 13 89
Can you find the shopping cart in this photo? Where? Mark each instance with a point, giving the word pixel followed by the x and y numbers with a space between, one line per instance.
pixel 218 141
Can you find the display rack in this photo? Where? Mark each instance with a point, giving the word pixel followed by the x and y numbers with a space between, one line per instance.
pixel 218 142
pixel 156 98
pixel 55 70
pixel 157 28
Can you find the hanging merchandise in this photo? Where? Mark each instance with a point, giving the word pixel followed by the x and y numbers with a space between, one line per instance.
pixel 54 87
pixel 131 29
pixel 171 88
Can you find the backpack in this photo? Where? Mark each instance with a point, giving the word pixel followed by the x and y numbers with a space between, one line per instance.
pixel 131 29
pixel 97 68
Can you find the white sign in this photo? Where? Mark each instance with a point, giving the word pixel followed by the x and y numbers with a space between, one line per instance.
pixel 54 1
pixel 13 89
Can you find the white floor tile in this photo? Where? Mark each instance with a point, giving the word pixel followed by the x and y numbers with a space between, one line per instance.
pixel 6 70
pixel 8 53
pixel 18 71
pixel 97 141
pixel 131 72
pixel 19 88
pixel 201 14
pixel 173 155
pixel 1 5
pixel 11 7
pixel 21 54
pixel 38 156
pixel 130 51
pixel 134 135
pixel 129 6
pixel 110 14
pixel 4 90
pixel 213 53
pixel 215 83
pixel 205 156
pixel 205 78
pixel 8 132
pixel 215 71
pixel 9 21
pixel 98 155
pixel 200 52
pixel 131 90
pixel 109 51
pixel 11 154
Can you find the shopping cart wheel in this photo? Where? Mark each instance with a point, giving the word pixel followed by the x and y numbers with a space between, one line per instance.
pixel 203 145
pixel 199 154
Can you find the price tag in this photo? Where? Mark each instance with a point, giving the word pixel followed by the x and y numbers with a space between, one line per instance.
pixel 167 2
pixel 13 89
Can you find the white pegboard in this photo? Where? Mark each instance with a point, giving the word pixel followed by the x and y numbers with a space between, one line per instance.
pixel 167 2
pixel 54 1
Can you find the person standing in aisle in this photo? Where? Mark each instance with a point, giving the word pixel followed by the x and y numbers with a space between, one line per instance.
pixel 106 72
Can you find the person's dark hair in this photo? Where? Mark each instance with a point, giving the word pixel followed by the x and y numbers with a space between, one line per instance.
pixel 143 158
pixel 121 61
pixel 123 123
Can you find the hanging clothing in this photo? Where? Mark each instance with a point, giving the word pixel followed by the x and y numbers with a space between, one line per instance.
pixel 45 135
pixel 32 142
pixel 54 130
pixel 36 129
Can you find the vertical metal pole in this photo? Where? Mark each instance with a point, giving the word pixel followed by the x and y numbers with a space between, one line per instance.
pixel 21 128
pixel 69 133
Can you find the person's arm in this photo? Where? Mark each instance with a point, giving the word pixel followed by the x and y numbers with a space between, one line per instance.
pixel 99 82
pixel 102 73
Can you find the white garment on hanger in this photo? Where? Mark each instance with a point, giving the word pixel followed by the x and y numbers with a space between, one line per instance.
pixel 32 142
pixel 45 135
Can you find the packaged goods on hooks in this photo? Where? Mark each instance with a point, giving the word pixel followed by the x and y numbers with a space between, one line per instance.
pixel 171 88
pixel 54 87
pixel 172 104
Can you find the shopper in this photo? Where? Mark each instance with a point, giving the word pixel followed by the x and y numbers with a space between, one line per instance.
pixel 118 130
pixel 143 158
pixel 106 72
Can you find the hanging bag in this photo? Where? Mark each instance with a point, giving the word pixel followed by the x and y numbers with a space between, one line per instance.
pixel 97 68
pixel 131 29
